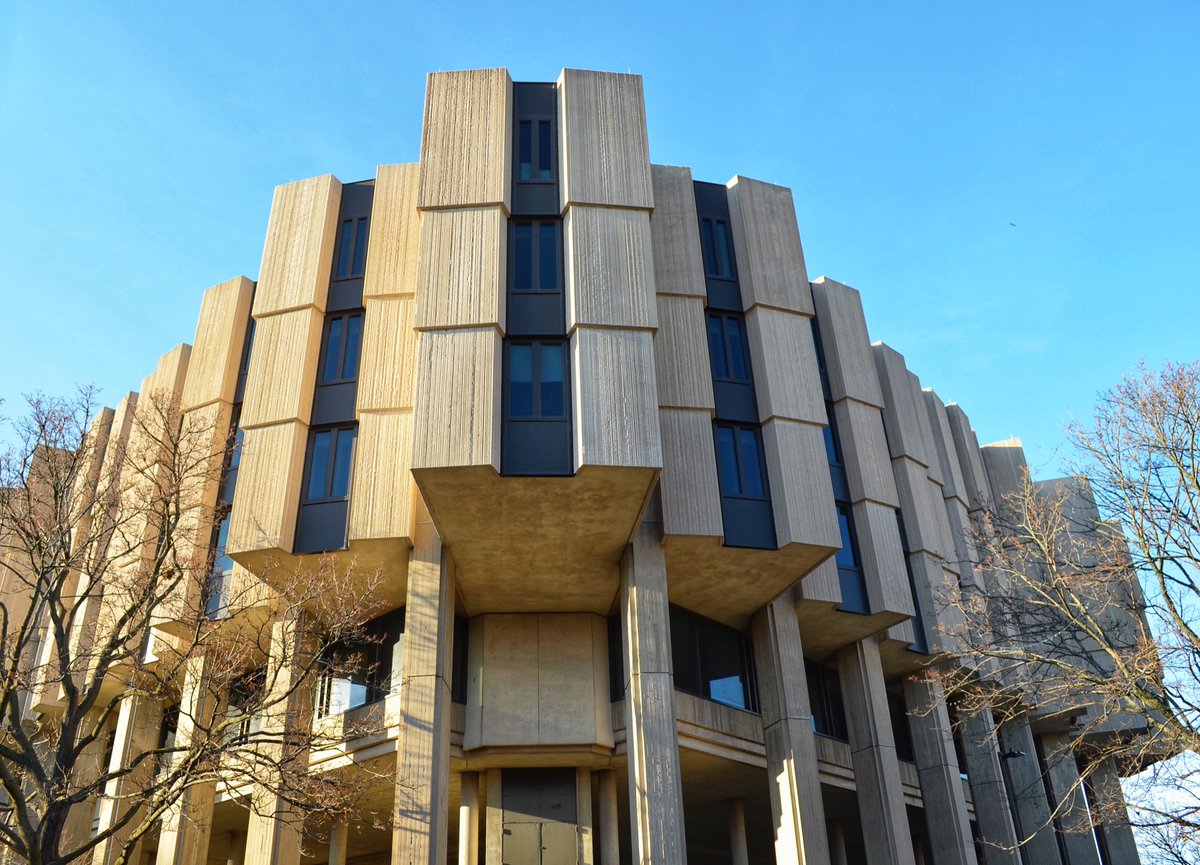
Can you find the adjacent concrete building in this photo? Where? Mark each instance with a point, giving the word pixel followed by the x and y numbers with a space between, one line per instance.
pixel 665 533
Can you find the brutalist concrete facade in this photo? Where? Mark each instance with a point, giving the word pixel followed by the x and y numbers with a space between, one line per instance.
pixel 667 530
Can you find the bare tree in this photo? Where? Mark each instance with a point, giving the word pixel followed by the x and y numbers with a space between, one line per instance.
pixel 1091 608
pixel 126 684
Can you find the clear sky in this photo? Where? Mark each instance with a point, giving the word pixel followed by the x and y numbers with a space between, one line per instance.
pixel 1014 187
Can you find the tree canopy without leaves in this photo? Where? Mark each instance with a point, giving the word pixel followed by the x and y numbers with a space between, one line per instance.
pixel 1091 605
pixel 124 689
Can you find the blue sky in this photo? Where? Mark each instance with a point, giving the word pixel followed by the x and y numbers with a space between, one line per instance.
pixel 140 148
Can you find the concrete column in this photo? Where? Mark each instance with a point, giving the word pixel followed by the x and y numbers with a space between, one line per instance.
pixel 1027 790
pixel 945 803
pixel 873 750
pixel 468 820
pixel 184 836
pixel 77 828
pixel 992 811
pixel 339 837
pixel 236 852
pixel 1113 815
pixel 583 816
pixel 738 853
pixel 273 830
pixel 610 839
pixel 139 724
pixel 795 786
pixel 421 818
pixel 655 789
pixel 837 843
pixel 493 842
pixel 1067 791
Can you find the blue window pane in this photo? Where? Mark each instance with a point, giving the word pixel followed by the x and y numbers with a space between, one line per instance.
pixel 737 359
pixel 727 467
pixel 716 347
pixel 523 257
pixel 319 467
pixel 520 387
pixel 547 257
pixel 354 325
pixel 728 691
pixel 360 246
pixel 525 151
pixel 333 351
pixel 343 268
pixel 545 150
pixel 553 402
pixel 752 484
pixel 342 461
pixel 706 242
pixel 845 556
pixel 724 268
pixel 831 452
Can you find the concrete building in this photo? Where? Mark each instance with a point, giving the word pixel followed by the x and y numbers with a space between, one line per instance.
pixel 664 532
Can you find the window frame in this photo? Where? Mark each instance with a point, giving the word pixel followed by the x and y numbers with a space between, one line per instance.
pixel 699 627
pixel 535 263
pixel 740 460
pixel 356 258
pixel 535 121
pixel 535 379
pixel 724 317
pixel 711 222
pixel 344 317
pixel 337 430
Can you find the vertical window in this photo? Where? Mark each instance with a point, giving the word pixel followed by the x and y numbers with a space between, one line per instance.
pixel 833 448
pixel 331 455
pixel 343 344
pixel 712 660
pixel 537 380
pixel 740 461
pixel 847 556
pixel 825 695
pixel 535 256
pixel 362 670
pixel 901 732
pixel 352 247
pixel 535 150
pixel 727 347
pixel 714 240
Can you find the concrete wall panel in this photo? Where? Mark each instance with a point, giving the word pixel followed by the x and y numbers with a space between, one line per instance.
pixel 801 492
pixel 848 358
pixel 604 151
pixel 283 368
pixel 457 405
pixel 385 373
pixel 691 498
pixel 970 460
pixel 395 229
pixel 864 450
pixel 264 513
pixel 785 365
pixel 609 268
pixel 675 233
pixel 461 268
pixel 466 146
pixel 616 406
pixel 766 241
pixel 381 506
pixel 882 558
pixel 217 348
pixel 298 253
pixel 901 418
pixel 681 354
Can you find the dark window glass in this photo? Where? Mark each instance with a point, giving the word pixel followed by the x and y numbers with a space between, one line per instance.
pixel 343 345
pixel 520 387
pixel 714 242
pixel 901 732
pixel 318 471
pixel 523 257
pixel 711 660
pixel 833 449
pixel 362 670
pixel 727 347
pixel 535 256
pixel 545 150
pixel 847 556
pixel 525 150
pixel 331 456
pixel 352 247
pixel 739 461
pixel 825 695
pixel 548 256
pixel 347 248
pixel 537 380
pixel 360 245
